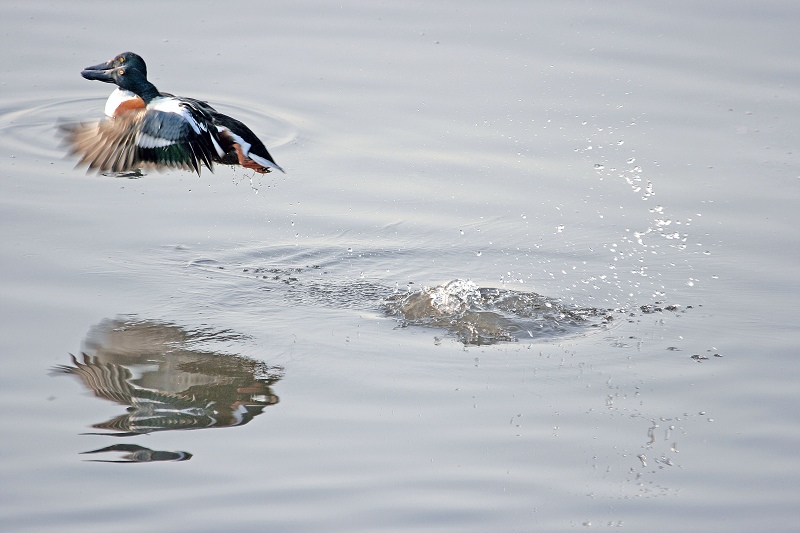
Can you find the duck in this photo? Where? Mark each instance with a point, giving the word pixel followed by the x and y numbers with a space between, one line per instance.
pixel 136 100
pixel 169 132
pixel 239 142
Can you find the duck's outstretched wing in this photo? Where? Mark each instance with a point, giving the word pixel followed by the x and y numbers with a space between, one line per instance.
pixel 179 134
pixel 107 145
pixel 170 135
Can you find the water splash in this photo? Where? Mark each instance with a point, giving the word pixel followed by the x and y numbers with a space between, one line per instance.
pixel 479 315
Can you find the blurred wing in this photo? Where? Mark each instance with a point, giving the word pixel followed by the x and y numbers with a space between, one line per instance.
pixel 107 145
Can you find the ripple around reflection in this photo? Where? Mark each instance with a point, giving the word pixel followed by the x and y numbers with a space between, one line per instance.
pixel 169 381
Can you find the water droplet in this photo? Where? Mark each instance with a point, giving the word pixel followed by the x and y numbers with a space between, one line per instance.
pixel 478 253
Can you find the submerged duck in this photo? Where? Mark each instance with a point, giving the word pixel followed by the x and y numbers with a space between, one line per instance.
pixel 159 129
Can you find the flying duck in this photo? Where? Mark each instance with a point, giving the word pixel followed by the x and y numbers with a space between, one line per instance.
pixel 152 128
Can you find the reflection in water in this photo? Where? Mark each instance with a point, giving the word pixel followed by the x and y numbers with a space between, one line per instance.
pixel 133 453
pixel 166 379
pixel 130 174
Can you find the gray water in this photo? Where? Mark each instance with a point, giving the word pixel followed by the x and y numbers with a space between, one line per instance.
pixel 533 267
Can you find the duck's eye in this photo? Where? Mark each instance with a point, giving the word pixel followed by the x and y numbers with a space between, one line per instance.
pixel 121 59
pixel 121 72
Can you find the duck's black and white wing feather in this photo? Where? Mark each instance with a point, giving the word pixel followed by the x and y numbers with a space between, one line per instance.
pixel 169 133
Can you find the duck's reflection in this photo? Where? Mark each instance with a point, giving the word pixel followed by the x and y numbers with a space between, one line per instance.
pixel 132 453
pixel 169 381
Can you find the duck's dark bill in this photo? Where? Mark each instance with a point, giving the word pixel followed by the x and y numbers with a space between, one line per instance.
pixel 100 75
